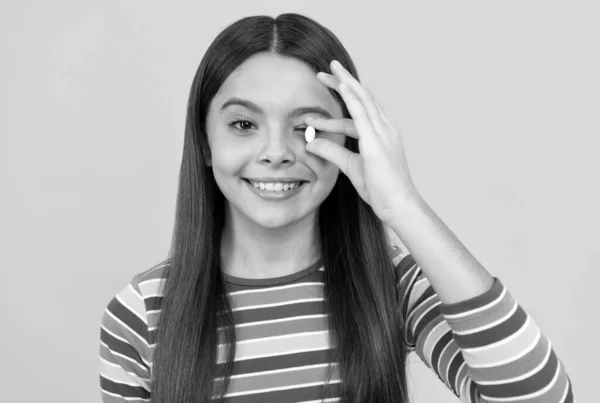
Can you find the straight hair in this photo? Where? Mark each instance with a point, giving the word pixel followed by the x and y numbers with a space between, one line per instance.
pixel 365 325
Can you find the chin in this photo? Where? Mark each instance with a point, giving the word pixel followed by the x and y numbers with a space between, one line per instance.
pixel 269 220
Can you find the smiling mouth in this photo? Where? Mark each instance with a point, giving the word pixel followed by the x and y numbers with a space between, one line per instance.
pixel 283 186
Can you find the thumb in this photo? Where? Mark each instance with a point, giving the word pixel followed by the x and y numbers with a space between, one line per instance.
pixel 333 152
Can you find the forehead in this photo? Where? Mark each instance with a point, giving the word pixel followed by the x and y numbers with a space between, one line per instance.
pixel 277 82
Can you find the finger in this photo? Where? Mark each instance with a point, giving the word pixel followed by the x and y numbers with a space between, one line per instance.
pixel 344 126
pixel 328 79
pixel 362 94
pixel 333 152
pixel 381 114
pixel 331 81
pixel 355 107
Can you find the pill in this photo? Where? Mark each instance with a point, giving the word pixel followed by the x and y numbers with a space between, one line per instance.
pixel 309 134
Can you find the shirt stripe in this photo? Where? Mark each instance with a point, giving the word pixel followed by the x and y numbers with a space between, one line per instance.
pixel 485 349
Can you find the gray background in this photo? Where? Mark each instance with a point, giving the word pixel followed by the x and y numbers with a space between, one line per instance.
pixel 494 100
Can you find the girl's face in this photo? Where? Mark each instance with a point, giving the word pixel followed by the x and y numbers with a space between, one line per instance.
pixel 255 127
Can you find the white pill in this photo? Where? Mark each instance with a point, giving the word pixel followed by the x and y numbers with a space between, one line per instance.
pixel 309 134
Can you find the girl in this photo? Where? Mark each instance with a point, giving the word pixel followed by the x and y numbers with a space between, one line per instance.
pixel 281 285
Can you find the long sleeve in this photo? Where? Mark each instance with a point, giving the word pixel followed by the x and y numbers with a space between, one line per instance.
pixel 485 349
pixel 124 349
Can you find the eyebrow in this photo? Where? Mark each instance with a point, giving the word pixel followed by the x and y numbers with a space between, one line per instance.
pixel 303 110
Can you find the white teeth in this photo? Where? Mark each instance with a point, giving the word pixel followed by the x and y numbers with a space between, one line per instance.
pixel 275 186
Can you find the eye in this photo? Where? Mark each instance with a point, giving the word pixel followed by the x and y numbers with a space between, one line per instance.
pixel 241 125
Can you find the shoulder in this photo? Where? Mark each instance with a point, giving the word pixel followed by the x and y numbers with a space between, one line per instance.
pixel 397 253
pixel 127 334
pixel 397 250
pixel 131 301
pixel 406 269
pixel 148 283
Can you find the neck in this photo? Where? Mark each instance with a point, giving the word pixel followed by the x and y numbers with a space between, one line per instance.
pixel 251 251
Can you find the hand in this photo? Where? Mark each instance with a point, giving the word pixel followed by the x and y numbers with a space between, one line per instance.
pixel 379 171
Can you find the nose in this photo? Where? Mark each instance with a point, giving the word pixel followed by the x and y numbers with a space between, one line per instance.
pixel 277 150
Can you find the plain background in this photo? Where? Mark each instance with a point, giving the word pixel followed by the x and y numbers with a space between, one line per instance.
pixel 495 102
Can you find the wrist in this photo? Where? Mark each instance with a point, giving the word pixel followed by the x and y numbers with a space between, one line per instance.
pixel 407 205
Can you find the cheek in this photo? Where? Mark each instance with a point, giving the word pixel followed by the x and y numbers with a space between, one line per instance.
pixel 226 163
pixel 329 179
pixel 326 172
pixel 226 166
pixel 227 157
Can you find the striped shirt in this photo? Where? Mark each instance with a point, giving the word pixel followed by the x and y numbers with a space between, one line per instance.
pixel 485 349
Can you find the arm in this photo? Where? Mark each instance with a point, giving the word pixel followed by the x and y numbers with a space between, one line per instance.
pixel 484 349
pixel 448 273
pixel 124 350
pixel 453 271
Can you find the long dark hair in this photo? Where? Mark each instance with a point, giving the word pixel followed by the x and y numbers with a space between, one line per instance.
pixel 360 292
